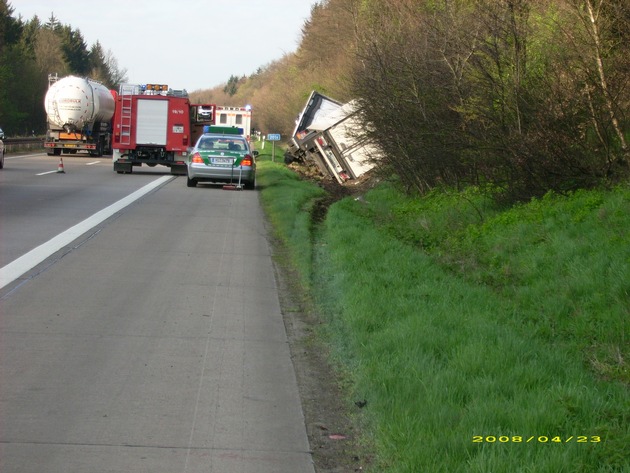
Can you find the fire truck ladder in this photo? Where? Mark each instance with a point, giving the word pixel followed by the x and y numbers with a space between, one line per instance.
pixel 126 102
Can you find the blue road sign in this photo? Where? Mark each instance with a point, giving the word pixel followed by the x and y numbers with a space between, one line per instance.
pixel 273 137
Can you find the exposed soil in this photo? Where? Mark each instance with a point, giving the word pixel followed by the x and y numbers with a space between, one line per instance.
pixel 335 190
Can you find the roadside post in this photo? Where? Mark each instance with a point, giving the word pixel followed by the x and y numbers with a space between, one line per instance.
pixel 273 137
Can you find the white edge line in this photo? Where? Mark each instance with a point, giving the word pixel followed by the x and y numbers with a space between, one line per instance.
pixel 28 261
pixel 44 173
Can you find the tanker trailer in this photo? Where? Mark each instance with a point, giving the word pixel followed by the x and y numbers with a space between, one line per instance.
pixel 79 112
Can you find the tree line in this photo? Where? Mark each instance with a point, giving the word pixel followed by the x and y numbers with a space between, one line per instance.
pixel 29 51
pixel 516 97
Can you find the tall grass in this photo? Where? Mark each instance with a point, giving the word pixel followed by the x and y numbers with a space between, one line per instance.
pixel 458 321
pixel 288 201
pixel 443 356
pixel 566 258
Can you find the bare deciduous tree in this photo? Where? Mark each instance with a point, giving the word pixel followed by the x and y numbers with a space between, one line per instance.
pixel 508 93
pixel 599 20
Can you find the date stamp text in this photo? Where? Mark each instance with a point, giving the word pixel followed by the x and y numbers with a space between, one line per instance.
pixel 536 439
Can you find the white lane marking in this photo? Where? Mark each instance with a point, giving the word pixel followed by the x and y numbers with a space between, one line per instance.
pixel 28 261
pixel 24 156
pixel 92 163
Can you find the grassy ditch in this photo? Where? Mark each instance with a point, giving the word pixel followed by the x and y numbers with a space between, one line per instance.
pixel 483 340
pixel 289 202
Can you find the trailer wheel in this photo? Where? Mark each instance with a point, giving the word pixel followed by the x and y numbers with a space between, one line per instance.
pixel 191 182
pixel 98 152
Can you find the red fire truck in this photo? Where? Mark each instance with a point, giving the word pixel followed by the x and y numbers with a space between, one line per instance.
pixel 151 126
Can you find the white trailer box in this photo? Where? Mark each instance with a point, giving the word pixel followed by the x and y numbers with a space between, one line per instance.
pixel 329 134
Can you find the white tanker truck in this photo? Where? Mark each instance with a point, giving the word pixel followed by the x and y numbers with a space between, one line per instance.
pixel 79 112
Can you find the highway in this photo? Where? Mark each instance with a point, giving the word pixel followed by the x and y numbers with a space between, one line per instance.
pixel 150 338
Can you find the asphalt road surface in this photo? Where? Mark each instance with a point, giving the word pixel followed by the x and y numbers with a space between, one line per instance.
pixel 151 342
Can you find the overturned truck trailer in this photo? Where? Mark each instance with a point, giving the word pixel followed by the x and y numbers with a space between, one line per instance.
pixel 329 134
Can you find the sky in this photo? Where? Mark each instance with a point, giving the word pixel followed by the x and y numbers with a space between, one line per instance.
pixel 186 44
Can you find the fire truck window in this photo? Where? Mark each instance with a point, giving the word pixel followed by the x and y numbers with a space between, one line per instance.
pixel 239 119
pixel 223 118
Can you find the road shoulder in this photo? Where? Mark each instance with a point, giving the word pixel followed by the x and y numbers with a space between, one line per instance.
pixel 334 439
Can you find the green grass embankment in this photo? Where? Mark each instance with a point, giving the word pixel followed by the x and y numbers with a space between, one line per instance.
pixel 289 201
pixel 483 340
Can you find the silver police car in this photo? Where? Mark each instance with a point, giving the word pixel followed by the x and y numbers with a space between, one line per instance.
pixel 222 158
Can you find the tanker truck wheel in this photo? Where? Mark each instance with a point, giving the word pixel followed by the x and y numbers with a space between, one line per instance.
pixel 98 152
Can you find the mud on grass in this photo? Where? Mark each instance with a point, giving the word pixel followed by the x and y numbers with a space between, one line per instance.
pixel 333 437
